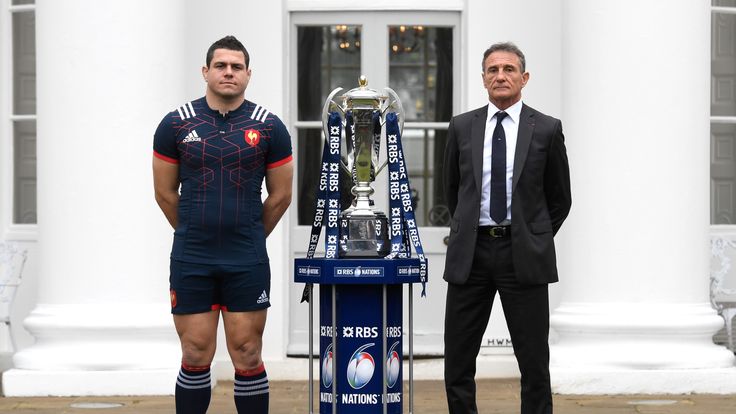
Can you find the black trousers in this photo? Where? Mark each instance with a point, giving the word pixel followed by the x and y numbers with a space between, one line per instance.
pixel 467 311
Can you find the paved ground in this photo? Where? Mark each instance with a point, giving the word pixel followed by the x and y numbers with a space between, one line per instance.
pixel 494 397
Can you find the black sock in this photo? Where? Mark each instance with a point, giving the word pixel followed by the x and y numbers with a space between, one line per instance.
pixel 251 391
pixel 193 390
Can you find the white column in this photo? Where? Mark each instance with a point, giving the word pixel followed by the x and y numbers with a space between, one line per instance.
pixel 634 255
pixel 106 75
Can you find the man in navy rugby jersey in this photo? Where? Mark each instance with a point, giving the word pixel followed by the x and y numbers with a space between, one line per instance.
pixel 211 156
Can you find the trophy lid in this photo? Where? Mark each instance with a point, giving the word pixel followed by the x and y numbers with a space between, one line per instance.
pixel 363 95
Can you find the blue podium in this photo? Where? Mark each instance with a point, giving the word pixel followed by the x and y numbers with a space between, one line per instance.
pixel 361 332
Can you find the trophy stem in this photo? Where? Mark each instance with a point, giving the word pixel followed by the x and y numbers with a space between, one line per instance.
pixel 362 192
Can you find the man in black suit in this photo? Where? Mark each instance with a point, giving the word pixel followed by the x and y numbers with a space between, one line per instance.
pixel 508 190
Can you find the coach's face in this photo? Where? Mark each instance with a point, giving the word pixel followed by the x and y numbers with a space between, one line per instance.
pixel 227 76
pixel 503 79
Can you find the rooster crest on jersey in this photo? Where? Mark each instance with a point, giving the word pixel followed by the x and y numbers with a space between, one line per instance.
pixel 252 137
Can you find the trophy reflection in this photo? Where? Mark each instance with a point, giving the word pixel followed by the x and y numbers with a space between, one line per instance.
pixel 364 230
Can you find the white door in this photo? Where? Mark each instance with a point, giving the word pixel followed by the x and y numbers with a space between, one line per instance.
pixel 417 55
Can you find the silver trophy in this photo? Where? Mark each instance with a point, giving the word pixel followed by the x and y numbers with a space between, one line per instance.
pixel 364 231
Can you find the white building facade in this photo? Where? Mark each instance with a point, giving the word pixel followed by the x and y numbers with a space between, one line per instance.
pixel 83 85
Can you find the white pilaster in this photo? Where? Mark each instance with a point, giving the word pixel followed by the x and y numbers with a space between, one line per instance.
pixel 106 75
pixel 634 261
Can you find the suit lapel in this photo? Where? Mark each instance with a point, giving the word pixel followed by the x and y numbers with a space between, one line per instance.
pixel 477 135
pixel 523 140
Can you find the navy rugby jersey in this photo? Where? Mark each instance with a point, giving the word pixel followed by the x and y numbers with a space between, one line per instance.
pixel 222 163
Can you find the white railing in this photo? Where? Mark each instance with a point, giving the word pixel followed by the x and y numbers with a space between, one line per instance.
pixel 12 260
pixel 723 279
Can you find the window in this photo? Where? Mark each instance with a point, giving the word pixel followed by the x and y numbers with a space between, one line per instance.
pixel 327 57
pixel 723 112
pixel 723 153
pixel 421 71
pixel 19 137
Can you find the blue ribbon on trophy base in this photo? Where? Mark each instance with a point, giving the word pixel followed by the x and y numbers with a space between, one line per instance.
pixel 328 196
pixel 402 223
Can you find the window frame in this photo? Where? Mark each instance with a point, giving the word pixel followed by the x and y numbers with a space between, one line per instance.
pixel 722 119
pixel 10 230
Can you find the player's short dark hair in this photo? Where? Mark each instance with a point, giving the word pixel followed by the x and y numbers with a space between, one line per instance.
pixel 229 43
pixel 505 47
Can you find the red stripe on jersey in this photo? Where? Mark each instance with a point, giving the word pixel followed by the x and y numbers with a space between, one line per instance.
pixel 279 163
pixel 165 158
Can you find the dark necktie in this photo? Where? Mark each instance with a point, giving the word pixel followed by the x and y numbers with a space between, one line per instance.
pixel 498 171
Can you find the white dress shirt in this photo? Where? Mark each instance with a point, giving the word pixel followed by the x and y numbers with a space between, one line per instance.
pixel 510 126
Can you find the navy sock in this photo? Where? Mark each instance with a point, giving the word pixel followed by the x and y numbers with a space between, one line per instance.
pixel 251 391
pixel 193 390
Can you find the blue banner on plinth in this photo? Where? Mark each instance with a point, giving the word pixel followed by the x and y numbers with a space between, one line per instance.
pixel 356 359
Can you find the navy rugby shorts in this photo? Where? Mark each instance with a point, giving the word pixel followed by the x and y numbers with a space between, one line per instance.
pixel 198 287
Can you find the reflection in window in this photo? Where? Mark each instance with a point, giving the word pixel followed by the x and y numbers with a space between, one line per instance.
pixel 723 103
pixel 724 3
pixel 328 57
pixel 24 173
pixel 420 71
pixel 723 65
pixel 23 111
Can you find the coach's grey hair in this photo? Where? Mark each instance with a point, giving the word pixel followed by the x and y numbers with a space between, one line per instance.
pixel 505 47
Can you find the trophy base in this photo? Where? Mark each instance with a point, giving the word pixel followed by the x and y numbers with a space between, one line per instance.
pixel 364 236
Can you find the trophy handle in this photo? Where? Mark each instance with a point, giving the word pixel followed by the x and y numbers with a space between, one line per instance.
pixel 392 101
pixel 325 116
pixel 326 110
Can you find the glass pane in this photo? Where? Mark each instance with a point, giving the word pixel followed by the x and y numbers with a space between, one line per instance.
pixel 424 152
pixel 24 63
pixel 723 65
pixel 24 172
pixel 723 174
pixel 310 154
pixel 724 3
pixel 421 73
pixel 328 57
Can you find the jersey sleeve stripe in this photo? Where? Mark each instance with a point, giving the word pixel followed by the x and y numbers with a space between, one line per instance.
pixel 279 162
pixel 265 114
pixel 165 158
pixel 256 112
pixel 181 115
pixel 191 108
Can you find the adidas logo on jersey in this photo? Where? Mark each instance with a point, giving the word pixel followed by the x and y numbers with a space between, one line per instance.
pixel 192 137
pixel 263 298
pixel 259 113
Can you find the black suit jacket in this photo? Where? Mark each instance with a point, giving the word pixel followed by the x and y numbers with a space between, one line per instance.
pixel 540 199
